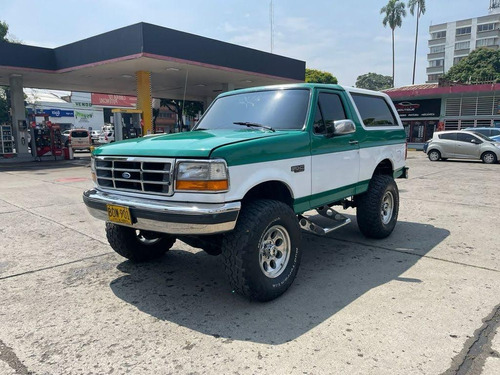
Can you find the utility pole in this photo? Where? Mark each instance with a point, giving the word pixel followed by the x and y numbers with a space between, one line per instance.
pixel 271 19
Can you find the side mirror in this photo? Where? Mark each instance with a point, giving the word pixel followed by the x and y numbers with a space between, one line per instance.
pixel 340 127
pixel 475 141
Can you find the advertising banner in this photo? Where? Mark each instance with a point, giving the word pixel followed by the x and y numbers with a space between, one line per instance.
pixel 56 112
pixel 418 108
pixel 108 100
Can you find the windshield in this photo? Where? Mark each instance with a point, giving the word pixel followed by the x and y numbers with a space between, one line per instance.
pixel 278 109
pixel 482 136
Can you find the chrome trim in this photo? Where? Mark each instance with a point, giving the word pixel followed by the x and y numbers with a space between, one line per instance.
pixel 186 211
pixel 112 169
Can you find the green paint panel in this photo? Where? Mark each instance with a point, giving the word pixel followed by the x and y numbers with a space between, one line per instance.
pixel 287 145
pixel 194 144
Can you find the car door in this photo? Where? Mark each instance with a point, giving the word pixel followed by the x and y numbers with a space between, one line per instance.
pixel 335 158
pixel 468 146
pixel 447 144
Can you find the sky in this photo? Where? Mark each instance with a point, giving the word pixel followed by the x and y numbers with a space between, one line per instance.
pixel 343 37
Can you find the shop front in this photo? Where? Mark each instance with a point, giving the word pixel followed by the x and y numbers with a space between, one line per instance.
pixel 420 119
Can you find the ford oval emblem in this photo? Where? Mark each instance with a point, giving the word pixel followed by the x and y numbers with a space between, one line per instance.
pixel 126 175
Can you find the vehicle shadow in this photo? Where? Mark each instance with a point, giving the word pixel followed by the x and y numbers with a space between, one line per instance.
pixel 190 289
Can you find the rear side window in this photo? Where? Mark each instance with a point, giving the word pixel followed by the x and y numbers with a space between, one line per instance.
pixel 374 110
pixel 79 133
pixel 450 136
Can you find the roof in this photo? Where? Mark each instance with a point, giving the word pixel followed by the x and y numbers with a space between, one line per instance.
pixel 180 63
pixel 433 89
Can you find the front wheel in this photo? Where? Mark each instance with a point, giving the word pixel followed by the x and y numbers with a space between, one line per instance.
pixel 489 158
pixel 434 155
pixel 377 209
pixel 138 245
pixel 262 254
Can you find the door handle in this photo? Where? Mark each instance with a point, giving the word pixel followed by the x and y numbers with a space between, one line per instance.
pixel 353 142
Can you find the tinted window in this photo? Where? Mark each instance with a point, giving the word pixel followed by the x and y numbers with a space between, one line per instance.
pixel 464 137
pixel 495 131
pixel 328 110
pixel 280 109
pixel 79 133
pixel 451 136
pixel 374 110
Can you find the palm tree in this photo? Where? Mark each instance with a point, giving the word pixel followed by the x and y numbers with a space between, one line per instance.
pixel 394 13
pixel 420 4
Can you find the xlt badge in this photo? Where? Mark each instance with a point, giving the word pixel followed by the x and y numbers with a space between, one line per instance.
pixel 298 168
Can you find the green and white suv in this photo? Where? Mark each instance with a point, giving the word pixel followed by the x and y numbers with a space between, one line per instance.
pixel 243 182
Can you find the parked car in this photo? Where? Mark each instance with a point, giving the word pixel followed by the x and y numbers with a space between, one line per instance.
pixel 94 136
pixel 495 138
pixel 487 131
pixel 79 139
pixel 463 144
pixel 107 137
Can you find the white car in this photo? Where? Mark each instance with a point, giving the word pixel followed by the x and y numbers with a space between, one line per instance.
pixel 107 137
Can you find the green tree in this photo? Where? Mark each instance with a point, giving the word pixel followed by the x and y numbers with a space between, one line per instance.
pixel 317 76
pixel 394 13
pixel 4 30
pixel 420 4
pixel 482 64
pixel 374 81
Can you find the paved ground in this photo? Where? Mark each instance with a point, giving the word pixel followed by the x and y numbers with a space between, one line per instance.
pixel 424 301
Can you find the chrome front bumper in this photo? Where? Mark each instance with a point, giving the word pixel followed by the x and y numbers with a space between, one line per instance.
pixel 166 217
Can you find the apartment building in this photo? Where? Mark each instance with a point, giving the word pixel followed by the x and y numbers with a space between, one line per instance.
pixel 450 42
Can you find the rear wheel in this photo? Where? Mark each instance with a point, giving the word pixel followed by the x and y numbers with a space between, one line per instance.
pixel 434 155
pixel 377 209
pixel 138 245
pixel 261 255
pixel 489 158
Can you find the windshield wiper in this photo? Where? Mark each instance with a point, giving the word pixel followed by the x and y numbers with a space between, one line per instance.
pixel 253 125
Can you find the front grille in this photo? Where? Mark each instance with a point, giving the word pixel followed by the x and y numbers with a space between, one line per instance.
pixel 143 175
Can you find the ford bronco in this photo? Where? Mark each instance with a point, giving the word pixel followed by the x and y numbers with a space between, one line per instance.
pixel 245 182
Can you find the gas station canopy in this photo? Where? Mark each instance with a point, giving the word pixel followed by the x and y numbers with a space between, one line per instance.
pixel 181 64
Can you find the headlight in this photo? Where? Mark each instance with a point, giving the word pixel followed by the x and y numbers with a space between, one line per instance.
pixel 208 176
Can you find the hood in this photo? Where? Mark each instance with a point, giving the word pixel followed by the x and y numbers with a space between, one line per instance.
pixel 195 144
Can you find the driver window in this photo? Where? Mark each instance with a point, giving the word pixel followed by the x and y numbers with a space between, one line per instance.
pixel 328 110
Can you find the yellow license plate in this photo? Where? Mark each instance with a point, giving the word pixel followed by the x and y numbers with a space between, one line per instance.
pixel 119 214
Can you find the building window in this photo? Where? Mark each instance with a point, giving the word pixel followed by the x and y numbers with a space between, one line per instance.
pixel 464 30
pixel 434 77
pixel 456 60
pixel 462 45
pixel 486 27
pixel 435 63
pixel 437 49
pixel 438 35
pixel 485 42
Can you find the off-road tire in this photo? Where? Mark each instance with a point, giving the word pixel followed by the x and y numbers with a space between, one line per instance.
pixel 373 206
pixel 434 155
pixel 265 229
pixel 489 158
pixel 138 246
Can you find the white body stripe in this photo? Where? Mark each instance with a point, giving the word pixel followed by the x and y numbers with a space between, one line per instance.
pixel 321 173
pixel 334 170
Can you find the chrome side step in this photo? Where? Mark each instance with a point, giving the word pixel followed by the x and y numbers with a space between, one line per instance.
pixel 325 222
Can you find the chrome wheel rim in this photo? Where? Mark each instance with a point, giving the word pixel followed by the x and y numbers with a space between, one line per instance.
pixel 274 251
pixel 434 156
pixel 489 158
pixel 387 207
pixel 145 237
